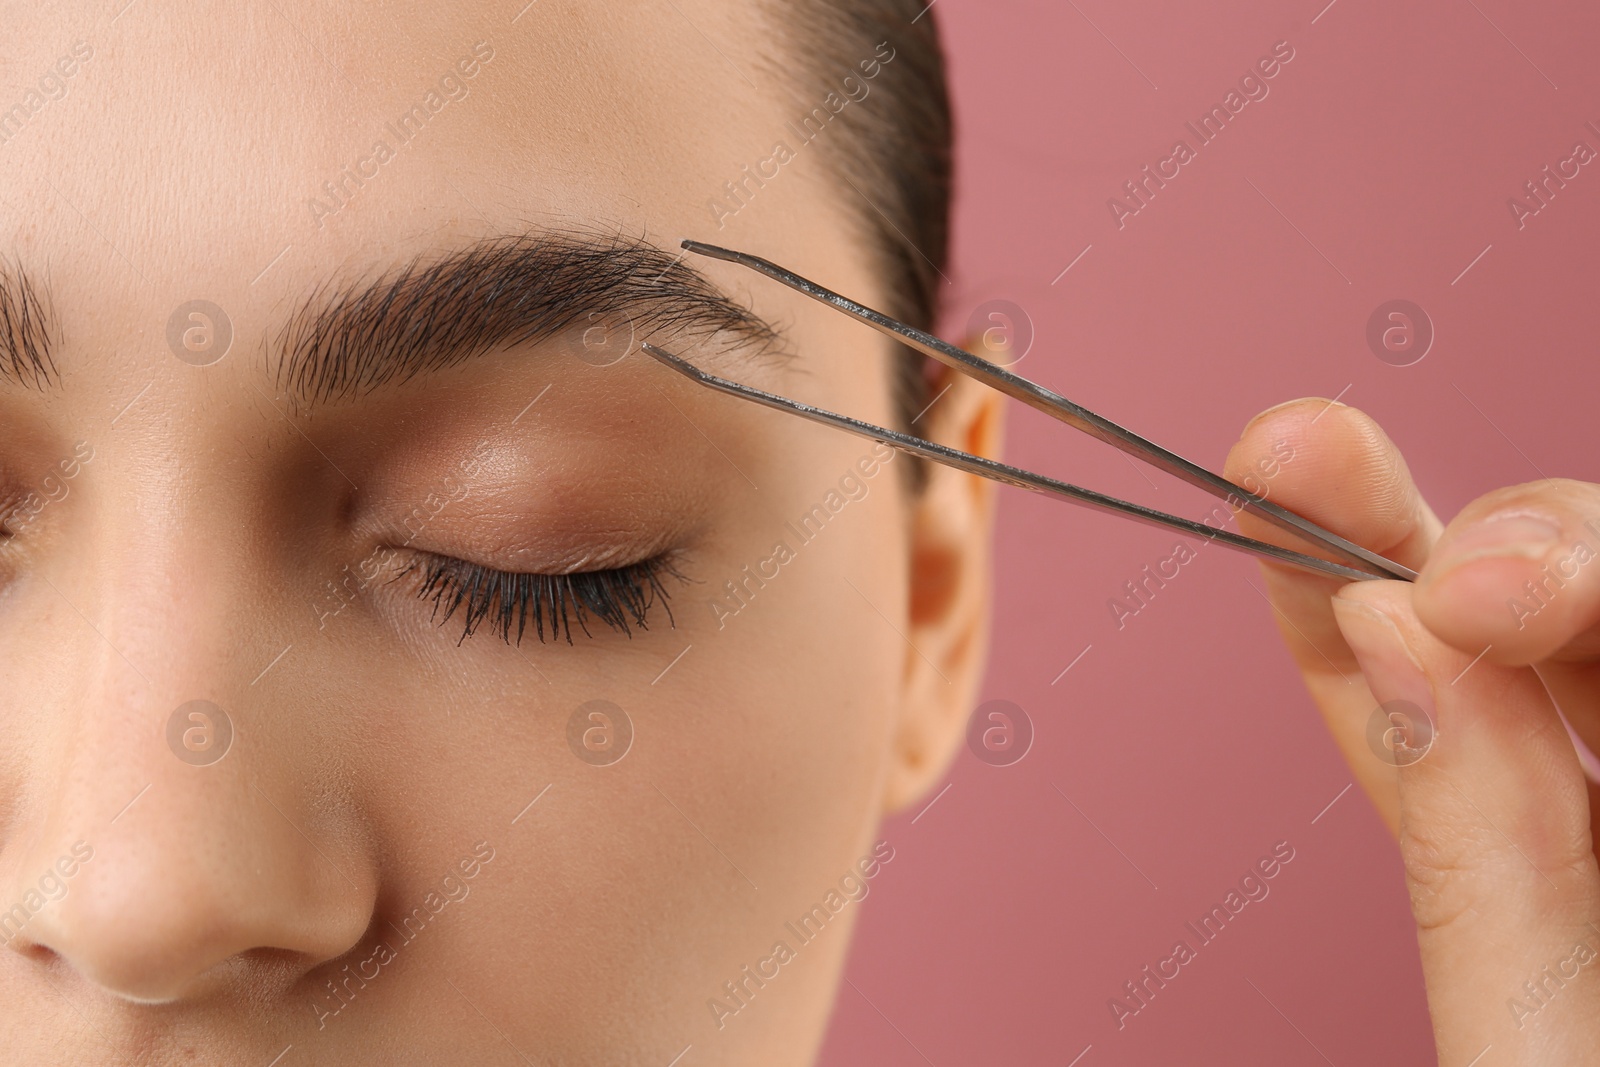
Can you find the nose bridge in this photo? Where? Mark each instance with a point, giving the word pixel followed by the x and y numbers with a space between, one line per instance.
pixel 135 627
pixel 161 758
pixel 151 598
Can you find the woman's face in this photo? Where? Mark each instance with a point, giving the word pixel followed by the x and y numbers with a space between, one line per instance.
pixel 261 794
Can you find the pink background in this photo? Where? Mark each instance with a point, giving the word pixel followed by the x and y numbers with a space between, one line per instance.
pixel 1392 141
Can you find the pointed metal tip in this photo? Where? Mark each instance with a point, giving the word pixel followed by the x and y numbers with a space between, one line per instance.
pixel 714 251
pixel 677 363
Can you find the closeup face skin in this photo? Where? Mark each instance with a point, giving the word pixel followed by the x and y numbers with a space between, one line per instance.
pixel 364 875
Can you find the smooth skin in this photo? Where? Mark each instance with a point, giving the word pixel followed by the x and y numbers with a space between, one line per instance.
pixel 1494 817
pixel 374 754
pixel 202 552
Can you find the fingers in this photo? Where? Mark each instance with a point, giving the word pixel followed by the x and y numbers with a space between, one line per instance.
pixel 1339 469
pixel 1494 822
pixel 1335 466
pixel 1516 573
pixel 1514 578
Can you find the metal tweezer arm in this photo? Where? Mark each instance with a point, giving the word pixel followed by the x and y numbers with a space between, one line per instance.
pixel 1358 563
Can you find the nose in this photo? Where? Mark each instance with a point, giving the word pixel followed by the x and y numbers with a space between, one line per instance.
pixel 170 831
pixel 191 877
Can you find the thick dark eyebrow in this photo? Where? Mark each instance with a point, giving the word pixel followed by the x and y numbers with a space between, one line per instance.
pixel 26 330
pixel 440 310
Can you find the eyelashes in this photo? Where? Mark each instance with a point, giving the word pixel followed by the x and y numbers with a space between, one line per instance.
pixel 510 602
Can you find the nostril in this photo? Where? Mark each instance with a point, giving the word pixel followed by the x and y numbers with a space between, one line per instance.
pixel 201 888
pixel 33 952
pixel 134 933
pixel 277 968
pixel 153 976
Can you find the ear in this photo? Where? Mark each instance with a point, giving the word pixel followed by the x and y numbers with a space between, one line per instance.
pixel 951 587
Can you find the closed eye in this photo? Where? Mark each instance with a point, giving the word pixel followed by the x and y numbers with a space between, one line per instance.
pixel 512 602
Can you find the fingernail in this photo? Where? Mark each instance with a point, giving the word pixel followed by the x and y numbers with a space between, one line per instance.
pixel 1509 534
pixel 1393 673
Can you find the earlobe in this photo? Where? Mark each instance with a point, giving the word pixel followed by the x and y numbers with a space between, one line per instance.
pixel 950 589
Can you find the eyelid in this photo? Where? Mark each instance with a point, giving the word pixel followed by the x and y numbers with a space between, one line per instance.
pixel 620 597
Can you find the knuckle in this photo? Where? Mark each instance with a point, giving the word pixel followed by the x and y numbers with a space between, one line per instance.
pixel 1443 872
pixel 1460 866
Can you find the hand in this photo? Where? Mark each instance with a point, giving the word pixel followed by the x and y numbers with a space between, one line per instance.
pixel 1491 806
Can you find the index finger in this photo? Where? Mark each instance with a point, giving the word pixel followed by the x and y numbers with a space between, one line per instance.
pixel 1334 465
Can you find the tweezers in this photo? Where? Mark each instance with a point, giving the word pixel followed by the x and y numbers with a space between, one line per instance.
pixel 1354 563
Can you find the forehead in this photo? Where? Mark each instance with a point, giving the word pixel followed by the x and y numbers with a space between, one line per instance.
pixel 239 151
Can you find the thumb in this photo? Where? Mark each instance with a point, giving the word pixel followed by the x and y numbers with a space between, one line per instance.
pixel 1494 834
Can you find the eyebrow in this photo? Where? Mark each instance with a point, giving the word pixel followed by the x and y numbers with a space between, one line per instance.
pixel 27 330
pixel 439 311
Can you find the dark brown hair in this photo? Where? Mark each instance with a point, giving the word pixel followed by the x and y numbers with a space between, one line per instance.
pixel 892 154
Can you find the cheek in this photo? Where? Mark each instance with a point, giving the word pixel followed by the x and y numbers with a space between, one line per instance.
pixel 757 751
pixel 756 760
pixel 757 756
pixel 807 670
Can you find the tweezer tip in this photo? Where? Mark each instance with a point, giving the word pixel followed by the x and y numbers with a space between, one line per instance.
pixel 661 355
pixel 714 251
